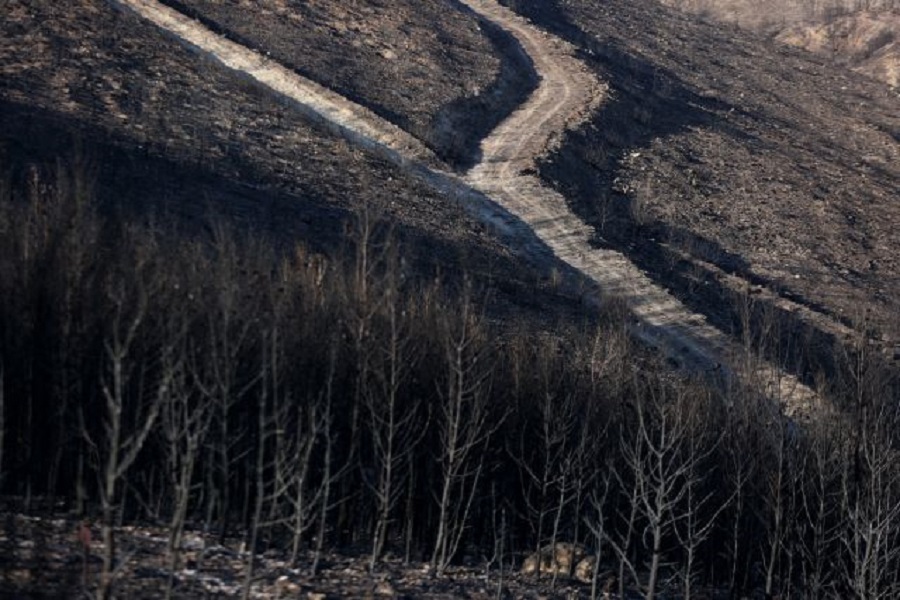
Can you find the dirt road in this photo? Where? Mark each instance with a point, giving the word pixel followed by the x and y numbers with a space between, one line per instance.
pixel 350 120
pixel 567 94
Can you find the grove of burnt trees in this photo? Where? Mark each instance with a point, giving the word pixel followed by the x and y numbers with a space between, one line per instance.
pixel 312 404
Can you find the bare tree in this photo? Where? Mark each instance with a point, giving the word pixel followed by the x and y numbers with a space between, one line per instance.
pixel 184 422
pixel 221 379
pixel 702 504
pixel 554 456
pixel 870 504
pixel 299 425
pixel 269 387
pixel 2 421
pixel 776 499
pixel 330 472
pixel 542 457
pixel 621 537
pixel 396 426
pixel 740 468
pixel 121 444
pixel 656 454
pixel 361 304
pixel 819 503
pixel 870 478
pixel 301 491
pixel 465 426
pixel 597 525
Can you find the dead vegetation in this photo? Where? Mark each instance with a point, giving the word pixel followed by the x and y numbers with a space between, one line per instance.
pixel 221 414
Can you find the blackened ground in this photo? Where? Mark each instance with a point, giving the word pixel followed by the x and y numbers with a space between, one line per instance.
pixel 42 558
pixel 167 132
pixel 725 164
pixel 433 68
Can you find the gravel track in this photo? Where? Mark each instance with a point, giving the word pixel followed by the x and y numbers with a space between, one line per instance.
pixel 522 206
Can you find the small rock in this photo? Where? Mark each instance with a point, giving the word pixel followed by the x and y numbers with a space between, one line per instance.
pixel 384 588
pixel 557 558
pixel 584 570
pixel 285 585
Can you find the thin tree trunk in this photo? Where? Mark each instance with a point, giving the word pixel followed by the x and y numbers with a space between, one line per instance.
pixel 259 499
pixel 327 467
pixel 2 423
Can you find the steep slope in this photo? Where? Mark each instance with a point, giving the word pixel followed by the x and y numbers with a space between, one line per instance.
pixel 725 166
pixel 170 131
pixel 301 379
pixel 565 97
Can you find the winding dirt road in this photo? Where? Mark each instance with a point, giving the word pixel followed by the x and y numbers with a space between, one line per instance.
pixel 567 95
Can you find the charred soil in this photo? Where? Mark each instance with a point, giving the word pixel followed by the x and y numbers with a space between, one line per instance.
pixel 433 68
pixel 169 135
pixel 737 172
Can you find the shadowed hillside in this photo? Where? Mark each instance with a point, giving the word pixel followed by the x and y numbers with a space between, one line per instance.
pixel 198 133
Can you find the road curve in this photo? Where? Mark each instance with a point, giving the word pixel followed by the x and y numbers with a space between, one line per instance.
pixel 567 95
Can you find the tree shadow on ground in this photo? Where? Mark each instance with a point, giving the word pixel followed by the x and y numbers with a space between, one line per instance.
pixel 137 182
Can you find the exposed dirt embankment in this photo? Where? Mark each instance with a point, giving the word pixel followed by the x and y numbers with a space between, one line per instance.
pixel 723 166
pixel 868 42
pixel 861 36
pixel 434 69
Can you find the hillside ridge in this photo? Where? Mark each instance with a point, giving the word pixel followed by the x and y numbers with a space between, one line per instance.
pixel 566 97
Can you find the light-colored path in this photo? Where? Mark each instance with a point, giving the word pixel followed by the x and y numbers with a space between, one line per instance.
pixel 355 122
pixel 566 96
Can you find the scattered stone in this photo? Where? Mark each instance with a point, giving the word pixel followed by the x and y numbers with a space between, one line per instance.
pixel 554 559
